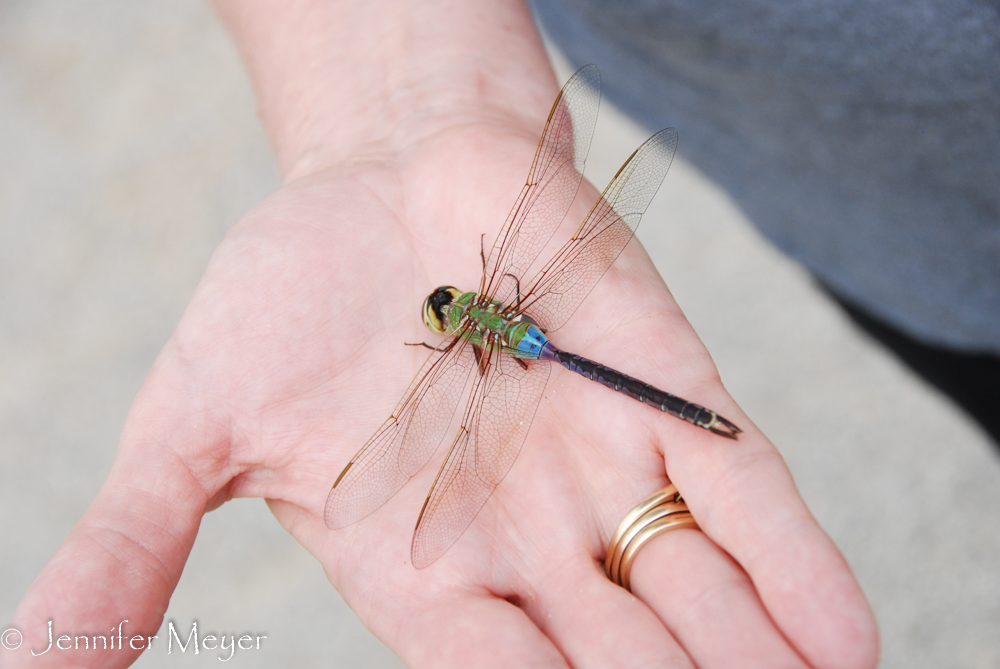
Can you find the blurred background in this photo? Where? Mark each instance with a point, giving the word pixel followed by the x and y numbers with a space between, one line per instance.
pixel 128 146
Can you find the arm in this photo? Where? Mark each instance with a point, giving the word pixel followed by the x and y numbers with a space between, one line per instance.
pixel 343 81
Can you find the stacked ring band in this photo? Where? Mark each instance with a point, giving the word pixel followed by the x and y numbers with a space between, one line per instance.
pixel 661 512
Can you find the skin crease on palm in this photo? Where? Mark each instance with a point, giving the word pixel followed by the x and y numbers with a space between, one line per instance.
pixel 292 352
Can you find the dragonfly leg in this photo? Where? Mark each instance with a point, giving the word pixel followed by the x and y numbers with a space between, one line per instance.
pixel 517 282
pixel 444 346
pixel 483 358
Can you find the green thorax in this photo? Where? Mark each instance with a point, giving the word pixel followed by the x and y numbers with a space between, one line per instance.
pixel 479 322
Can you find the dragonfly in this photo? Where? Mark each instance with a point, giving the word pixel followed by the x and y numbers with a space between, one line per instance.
pixel 497 349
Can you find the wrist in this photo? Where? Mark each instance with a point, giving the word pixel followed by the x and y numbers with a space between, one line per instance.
pixel 340 82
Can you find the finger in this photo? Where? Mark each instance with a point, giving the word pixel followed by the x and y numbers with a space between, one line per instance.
pixel 597 624
pixel 473 631
pixel 707 601
pixel 744 499
pixel 119 565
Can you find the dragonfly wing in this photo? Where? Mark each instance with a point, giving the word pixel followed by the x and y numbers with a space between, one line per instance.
pixel 406 441
pixel 552 184
pixel 500 411
pixel 563 283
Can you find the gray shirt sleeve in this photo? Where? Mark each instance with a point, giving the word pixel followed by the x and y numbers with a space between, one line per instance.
pixel 862 138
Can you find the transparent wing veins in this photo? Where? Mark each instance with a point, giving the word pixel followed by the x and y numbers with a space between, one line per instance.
pixel 406 440
pixel 496 421
pixel 569 276
pixel 552 184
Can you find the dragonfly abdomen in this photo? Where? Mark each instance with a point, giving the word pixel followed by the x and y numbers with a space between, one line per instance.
pixel 642 391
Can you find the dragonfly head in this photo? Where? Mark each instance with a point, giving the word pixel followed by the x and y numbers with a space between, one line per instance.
pixel 436 308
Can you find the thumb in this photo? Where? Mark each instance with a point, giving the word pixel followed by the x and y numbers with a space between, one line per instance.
pixel 111 579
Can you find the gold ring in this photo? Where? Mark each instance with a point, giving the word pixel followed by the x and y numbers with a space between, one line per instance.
pixel 661 512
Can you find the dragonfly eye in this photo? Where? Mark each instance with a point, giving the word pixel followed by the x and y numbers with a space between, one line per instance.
pixel 436 308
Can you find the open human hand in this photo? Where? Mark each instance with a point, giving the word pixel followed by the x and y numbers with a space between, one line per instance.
pixel 292 352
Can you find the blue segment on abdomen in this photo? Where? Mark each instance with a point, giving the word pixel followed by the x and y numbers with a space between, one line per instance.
pixel 531 344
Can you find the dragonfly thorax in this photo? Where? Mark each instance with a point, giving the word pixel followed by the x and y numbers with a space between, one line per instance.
pixel 483 322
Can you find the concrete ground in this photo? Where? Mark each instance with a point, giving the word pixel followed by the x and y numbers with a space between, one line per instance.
pixel 129 144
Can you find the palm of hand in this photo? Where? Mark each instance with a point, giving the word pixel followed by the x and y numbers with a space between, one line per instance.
pixel 295 342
